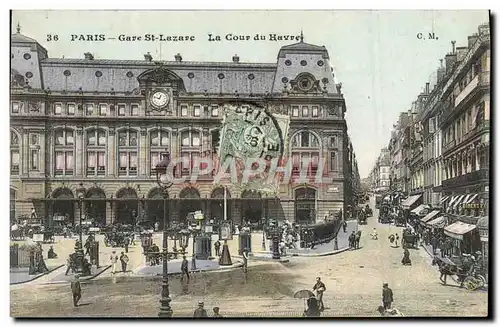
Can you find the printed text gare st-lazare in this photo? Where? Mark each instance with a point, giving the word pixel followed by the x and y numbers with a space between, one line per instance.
pixel 176 38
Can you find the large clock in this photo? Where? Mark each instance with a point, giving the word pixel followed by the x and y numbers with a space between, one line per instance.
pixel 159 99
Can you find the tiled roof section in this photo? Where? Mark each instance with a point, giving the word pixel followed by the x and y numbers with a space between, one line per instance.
pixel 205 76
pixel 303 47
pixel 19 38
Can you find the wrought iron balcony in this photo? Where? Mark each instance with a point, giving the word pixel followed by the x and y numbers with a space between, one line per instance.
pixel 450 145
pixel 474 177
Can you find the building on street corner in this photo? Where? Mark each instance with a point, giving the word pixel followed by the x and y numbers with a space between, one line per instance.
pixel 102 126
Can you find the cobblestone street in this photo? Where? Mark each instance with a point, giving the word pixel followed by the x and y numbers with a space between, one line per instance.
pixel 353 280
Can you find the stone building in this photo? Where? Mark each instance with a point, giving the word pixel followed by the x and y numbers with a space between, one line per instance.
pixel 98 127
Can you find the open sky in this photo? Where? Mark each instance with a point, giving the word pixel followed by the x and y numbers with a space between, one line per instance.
pixel 377 55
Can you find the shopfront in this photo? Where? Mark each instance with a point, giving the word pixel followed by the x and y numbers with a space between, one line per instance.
pixel 465 238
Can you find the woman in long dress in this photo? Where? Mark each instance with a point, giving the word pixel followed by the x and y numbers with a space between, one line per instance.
pixel 406 258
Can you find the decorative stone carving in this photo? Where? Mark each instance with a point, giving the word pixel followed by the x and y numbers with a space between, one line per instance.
pixel 34 106
pixel 112 131
pixel 339 88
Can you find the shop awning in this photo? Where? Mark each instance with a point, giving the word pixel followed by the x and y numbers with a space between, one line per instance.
pixel 410 201
pixel 458 229
pixel 444 199
pixel 418 210
pixel 429 216
pixel 471 198
pixel 439 222
pixel 458 201
pixel 453 199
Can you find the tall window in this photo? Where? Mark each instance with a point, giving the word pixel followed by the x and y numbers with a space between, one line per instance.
pixel 159 142
pixel 197 110
pixel 315 111
pixel 190 150
pixel 215 110
pixel 34 151
pixel 134 110
pixel 64 142
pixel 90 109
pixel 14 153
pixel 15 107
pixel 103 109
pixel 295 111
pixel 305 148
pixel 184 110
pixel 58 109
pixel 71 109
pixel 96 152
pixel 121 110
pixel 127 150
pixel 305 111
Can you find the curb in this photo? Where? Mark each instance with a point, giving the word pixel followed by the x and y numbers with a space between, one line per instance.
pixel 324 254
pixel 83 279
pixel 259 258
pixel 38 276
pixel 235 265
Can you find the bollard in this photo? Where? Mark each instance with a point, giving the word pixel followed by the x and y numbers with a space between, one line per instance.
pixel 336 244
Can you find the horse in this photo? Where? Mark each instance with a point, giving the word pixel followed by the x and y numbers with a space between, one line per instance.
pixel 356 239
pixel 447 269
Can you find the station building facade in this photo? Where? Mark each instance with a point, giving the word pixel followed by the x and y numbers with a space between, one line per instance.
pixel 92 127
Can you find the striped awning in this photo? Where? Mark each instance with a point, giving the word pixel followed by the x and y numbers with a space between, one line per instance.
pixel 439 222
pixel 458 201
pixel 418 210
pixel 453 199
pixel 444 199
pixel 471 198
pixel 410 201
pixel 431 215
pixel 458 229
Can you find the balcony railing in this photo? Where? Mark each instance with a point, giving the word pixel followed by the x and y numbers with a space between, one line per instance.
pixel 449 145
pixel 469 178
pixel 481 127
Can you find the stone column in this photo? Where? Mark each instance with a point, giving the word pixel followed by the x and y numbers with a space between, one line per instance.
pixel 111 150
pixel 477 157
pixel 175 151
pixel 79 155
pixel 143 153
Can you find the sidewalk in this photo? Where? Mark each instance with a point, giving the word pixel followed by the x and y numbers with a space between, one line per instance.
pixel 20 275
pixel 59 276
pixel 174 267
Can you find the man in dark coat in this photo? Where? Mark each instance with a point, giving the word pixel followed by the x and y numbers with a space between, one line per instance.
pixel 184 268
pixel 76 289
pixel 406 258
pixel 216 313
pixel 124 260
pixel 217 248
pixel 320 288
pixel 352 239
pixel 344 226
pixel 200 312
pixel 387 298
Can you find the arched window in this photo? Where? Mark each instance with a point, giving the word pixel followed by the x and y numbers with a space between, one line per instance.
pixel 14 153
pixel 305 148
pixel 190 150
pixel 64 142
pixel 95 141
pixel 127 152
pixel 159 142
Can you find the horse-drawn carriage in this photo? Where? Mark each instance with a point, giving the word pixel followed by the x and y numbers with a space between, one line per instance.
pixel 399 220
pixel 409 239
pixel 466 273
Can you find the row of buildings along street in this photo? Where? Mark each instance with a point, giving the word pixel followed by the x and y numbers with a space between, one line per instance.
pixel 439 151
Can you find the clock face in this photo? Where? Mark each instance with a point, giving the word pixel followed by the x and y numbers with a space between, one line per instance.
pixel 159 99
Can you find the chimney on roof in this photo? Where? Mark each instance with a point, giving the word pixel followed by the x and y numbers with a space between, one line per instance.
pixel 450 60
pixel 472 39
pixel 88 56
pixel 453 47
pixel 427 88
pixel 461 52
pixel 148 57
pixel 484 29
pixel 440 72
pixel 236 59
pixel 178 57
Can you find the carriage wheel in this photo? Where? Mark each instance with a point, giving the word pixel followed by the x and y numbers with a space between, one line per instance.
pixel 470 283
pixel 481 281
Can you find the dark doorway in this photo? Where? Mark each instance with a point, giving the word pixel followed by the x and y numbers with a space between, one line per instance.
pixel 193 202
pixel 155 207
pixel 217 205
pixel 95 206
pixel 305 205
pixel 252 209
pixel 127 206
pixel 65 206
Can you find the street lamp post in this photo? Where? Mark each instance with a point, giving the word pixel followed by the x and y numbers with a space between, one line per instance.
pixel 164 183
pixel 81 195
pixel 263 233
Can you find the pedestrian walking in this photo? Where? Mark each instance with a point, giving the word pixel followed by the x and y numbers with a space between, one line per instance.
pixel 216 313
pixel 124 261
pixel 397 239
pixel 69 263
pixel 352 239
pixel 157 226
pixel 320 288
pixel 126 242
pixel 217 248
pixel 184 268
pixel 200 312
pixel 312 308
pixel 245 260
pixel 113 259
pixel 344 226
pixel 406 261
pixel 387 297
pixel 374 234
pixel 76 290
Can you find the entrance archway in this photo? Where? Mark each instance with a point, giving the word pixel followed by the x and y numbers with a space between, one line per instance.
pixel 96 206
pixel 193 202
pixel 155 207
pixel 127 206
pixel 252 209
pixel 217 205
pixel 65 204
pixel 305 205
